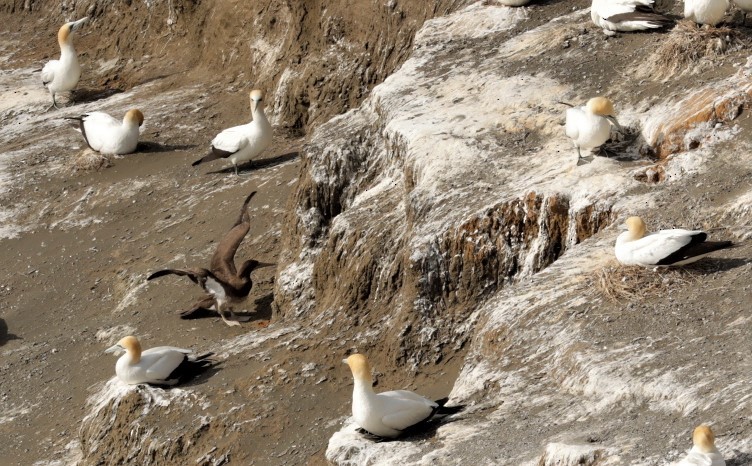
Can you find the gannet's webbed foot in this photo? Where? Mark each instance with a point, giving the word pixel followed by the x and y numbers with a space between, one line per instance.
pixel 232 319
pixel 582 160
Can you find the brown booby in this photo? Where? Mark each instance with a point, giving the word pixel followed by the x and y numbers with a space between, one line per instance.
pixel 224 283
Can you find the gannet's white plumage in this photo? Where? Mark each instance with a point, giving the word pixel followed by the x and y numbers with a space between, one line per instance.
pixel 159 366
pixel 589 127
pixel 664 247
pixel 242 143
pixel 62 75
pixel 709 12
pixel 107 135
pixel 703 452
pixel 387 414
pixel 626 15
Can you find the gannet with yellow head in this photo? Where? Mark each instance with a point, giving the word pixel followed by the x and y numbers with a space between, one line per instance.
pixel 62 75
pixel 163 365
pixel 664 247
pixel 589 127
pixel 703 452
pixel 709 12
pixel 242 143
pixel 107 135
pixel 388 414
pixel 626 16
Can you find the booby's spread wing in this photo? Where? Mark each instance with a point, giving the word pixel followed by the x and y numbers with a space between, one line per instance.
pixel 48 72
pixel 192 274
pixel 226 143
pixel 223 260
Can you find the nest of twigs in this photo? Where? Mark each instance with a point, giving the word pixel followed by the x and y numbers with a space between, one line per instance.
pixel 89 160
pixel 689 45
pixel 618 282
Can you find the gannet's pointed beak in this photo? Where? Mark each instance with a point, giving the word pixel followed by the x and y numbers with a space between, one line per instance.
pixel 114 349
pixel 613 121
pixel 78 23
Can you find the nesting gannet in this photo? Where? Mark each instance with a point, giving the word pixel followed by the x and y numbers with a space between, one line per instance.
pixel 664 247
pixel 589 127
pixel 626 15
pixel 388 414
pixel 704 452
pixel 163 365
pixel 709 12
pixel 107 135
pixel 242 143
pixel 62 75
pixel 223 283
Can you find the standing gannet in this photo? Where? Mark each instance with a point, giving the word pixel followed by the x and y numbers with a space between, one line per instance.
pixel 388 414
pixel 242 143
pixel 223 283
pixel 709 12
pixel 626 15
pixel 106 135
pixel 664 247
pixel 163 365
pixel 62 75
pixel 589 127
pixel 703 452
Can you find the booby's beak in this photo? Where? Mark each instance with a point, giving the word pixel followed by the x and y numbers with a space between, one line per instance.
pixel 114 349
pixel 78 23
pixel 613 121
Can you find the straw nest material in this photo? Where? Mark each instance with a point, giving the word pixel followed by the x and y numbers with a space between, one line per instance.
pixel 89 160
pixel 618 282
pixel 689 47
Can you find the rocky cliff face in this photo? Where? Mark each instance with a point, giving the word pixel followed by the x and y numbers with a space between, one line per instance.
pixel 441 226
pixel 314 58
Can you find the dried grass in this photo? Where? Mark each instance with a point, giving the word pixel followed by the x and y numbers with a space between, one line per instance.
pixel 618 282
pixel 89 160
pixel 689 45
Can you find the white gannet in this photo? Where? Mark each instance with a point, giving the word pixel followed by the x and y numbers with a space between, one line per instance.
pixel 703 452
pixel 107 135
pixel 62 75
pixel 664 247
pixel 388 414
pixel 626 15
pixel 242 143
pixel 709 12
pixel 589 127
pixel 163 365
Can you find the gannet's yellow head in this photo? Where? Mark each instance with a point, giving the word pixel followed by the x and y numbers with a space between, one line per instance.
pixel 63 34
pixel 359 366
pixel 704 439
pixel 601 106
pixel 636 226
pixel 131 345
pixel 256 97
pixel 134 116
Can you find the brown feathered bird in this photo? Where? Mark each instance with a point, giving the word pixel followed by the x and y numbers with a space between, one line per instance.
pixel 223 283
